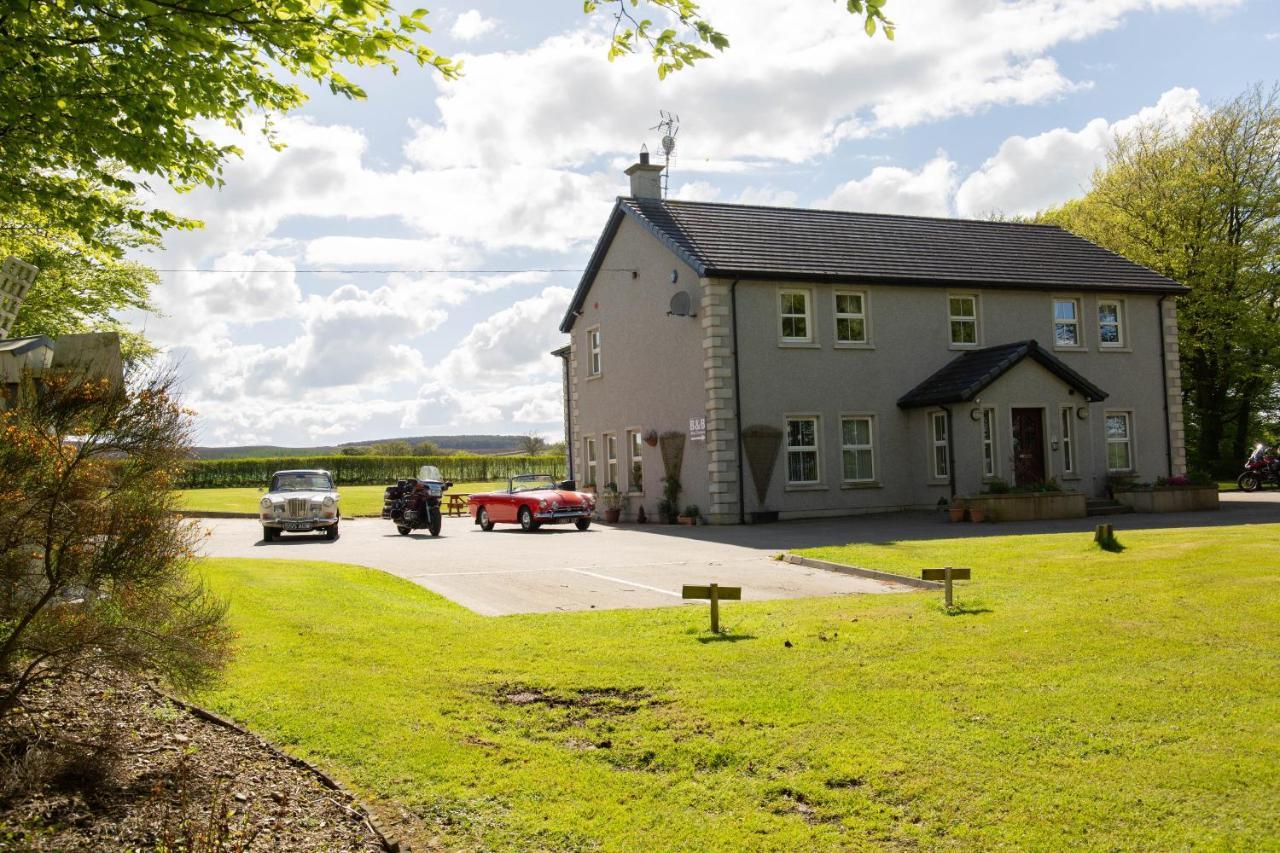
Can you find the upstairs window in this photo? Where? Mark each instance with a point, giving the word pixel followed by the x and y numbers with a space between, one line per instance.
pixel 1110 323
pixel 802 451
pixel 1066 323
pixel 594 364
pixel 962 315
pixel 851 317
pixel 796 324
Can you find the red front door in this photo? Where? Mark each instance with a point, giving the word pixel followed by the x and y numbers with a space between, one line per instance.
pixel 1028 446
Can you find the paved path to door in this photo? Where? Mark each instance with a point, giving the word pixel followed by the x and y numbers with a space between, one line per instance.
pixel 559 568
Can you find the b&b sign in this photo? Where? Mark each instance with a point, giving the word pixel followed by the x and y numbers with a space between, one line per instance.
pixel 698 429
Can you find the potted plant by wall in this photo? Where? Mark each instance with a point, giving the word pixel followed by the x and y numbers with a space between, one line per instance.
pixel 956 511
pixel 689 516
pixel 612 503
pixel 670 506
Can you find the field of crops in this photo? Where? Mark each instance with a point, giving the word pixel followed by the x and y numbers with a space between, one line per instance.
pixel 366 470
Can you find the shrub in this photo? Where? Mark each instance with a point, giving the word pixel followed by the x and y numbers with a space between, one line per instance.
pixel 365 470
pixel 95 565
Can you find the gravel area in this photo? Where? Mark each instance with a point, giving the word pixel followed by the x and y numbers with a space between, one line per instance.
pixel 121 768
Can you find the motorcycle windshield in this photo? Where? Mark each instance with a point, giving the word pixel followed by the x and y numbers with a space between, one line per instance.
pixel 1258 453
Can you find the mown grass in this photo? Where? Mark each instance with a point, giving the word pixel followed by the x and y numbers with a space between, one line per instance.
pixel 1078 698
pixel 356 500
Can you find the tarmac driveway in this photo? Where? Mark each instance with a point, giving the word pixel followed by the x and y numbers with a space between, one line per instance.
pixel 557 568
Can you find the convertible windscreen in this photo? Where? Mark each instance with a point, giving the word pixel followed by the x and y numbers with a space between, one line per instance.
pixel 532 483
pixel 301 483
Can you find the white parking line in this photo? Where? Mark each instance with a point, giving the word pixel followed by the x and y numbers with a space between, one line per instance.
pixel 627 583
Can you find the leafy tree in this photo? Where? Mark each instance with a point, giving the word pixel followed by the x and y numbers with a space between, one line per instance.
pixel 394 447
pixel 531 444
pixel 357 450
pixel 1202 206
pixel 95 564
pixel 426 447
pixel 81 283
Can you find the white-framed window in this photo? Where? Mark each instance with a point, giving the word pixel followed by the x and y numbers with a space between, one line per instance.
pixel 1068 440
pixel 802 451
pixel 856 449
pixel 589 459
pixel 635 473
pixel 1066 322
pixel 795 317
pixel 988 443
pixel 594 364
pixel 851 317
pixel 962 317
pixel 611 460
pixel 941 438
pixel 1119 429
pixel 1110 323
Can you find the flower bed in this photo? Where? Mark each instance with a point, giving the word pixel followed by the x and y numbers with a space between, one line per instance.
pixel 1168 498
pixel 1026 506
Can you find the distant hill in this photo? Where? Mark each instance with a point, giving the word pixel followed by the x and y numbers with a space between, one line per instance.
pixel 487 444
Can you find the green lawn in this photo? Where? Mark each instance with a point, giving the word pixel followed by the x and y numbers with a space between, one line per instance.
pixel 356 500
pixel 1081 698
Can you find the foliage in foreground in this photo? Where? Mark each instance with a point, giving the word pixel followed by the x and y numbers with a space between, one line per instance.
pixel 95 567
pixel 1077 698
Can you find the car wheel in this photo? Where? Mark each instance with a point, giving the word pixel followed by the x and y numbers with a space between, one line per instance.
pixel 527 524
pixel 331 532
pixel 404 531
pixel 486 523
pixel 1249 482
pixel 269 534
pixel 582 523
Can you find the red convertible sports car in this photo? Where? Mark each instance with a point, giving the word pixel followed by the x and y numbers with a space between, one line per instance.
pixel 532 500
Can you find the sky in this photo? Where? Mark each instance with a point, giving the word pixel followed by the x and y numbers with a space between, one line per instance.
pixel 401 266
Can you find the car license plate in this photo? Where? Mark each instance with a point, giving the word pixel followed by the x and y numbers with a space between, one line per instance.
pixel 296 525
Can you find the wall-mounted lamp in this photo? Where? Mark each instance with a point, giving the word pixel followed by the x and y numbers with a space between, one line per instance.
pixel 975 413
pixel 1083 413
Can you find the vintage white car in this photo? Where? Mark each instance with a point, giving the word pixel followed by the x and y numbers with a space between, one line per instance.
pixel 300 501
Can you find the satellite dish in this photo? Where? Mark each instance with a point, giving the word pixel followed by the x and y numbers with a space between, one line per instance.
pixel 681 305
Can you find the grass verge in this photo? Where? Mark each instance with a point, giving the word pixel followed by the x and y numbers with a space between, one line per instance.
pixel 356 500
pixel 1079 698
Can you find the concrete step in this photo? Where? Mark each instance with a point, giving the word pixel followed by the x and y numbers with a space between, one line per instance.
pixel 1101 506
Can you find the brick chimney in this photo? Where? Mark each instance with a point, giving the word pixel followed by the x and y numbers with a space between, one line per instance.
pixel 646 177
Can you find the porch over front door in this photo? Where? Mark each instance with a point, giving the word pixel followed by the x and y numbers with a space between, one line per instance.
pixel 1028 447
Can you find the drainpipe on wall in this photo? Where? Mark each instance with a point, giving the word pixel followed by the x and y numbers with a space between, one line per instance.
pixel 737 401
pixel 951 452
pixel 568 416
pixel 1164 385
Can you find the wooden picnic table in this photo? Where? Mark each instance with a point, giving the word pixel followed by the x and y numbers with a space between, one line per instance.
pixel 456 504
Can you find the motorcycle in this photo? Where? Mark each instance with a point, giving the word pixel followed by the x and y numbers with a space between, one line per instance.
pixel 414 503
pixel 1262 467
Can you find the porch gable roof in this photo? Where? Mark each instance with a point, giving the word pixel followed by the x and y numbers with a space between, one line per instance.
pixel 965 376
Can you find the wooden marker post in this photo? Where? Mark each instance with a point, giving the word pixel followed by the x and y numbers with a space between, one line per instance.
pixel 946 574
pixel 716 593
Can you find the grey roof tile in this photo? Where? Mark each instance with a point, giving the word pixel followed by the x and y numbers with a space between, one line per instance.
pixel 965 376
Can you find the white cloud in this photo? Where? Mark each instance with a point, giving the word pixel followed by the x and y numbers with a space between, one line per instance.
pixel 512 346
pixel 1031 174
pixel 471 24
pixel 926 191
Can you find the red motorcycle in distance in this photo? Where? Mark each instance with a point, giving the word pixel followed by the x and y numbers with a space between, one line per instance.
pixel 1262 467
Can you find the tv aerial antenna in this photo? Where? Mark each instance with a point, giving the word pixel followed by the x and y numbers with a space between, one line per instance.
pixel 670 127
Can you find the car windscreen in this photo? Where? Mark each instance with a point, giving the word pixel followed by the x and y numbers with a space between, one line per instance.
pixel 301 482
pixel 532 483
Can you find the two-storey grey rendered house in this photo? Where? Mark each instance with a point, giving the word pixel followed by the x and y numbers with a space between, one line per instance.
pixel 893 361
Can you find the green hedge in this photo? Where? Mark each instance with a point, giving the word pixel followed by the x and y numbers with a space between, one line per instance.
pixel 366 470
